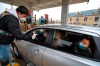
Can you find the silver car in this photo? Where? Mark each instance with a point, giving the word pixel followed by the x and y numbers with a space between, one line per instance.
pixel 54 46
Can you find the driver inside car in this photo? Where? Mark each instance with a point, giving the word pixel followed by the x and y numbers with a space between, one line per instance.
pixel 40 37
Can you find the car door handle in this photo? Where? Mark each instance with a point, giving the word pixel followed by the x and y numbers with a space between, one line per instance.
pixel 36 51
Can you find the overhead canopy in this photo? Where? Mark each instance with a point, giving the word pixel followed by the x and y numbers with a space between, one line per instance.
pixel 39 4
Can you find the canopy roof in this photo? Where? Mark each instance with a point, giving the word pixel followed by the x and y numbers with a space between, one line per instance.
pixel 39 4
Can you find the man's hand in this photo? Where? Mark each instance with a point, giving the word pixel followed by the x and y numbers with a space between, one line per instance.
pixel 34 36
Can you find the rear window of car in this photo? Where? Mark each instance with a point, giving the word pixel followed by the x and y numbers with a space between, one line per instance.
pixel 71 42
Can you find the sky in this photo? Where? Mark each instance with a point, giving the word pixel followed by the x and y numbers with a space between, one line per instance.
pixel 55 13
pixel 4 6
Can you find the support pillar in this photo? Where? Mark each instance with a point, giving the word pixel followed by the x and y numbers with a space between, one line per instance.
pixel 64 12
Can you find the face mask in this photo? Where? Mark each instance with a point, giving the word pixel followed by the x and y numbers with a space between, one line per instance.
pixel 81 46
pixel 22 19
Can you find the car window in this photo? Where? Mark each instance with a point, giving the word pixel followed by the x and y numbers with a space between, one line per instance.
pixel 39 36
pixel 75 43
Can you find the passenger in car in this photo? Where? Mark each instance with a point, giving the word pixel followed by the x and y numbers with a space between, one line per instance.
pixel 56 39
pixel 82 47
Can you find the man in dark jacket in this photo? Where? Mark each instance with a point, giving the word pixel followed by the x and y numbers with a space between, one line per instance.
pixel 9 29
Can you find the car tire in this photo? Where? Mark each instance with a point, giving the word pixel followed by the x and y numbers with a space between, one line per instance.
pixel 15 51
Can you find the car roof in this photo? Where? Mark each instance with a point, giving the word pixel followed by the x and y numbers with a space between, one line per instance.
pixel 95 31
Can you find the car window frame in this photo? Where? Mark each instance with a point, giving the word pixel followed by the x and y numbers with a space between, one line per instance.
pixel 46 38
pixel 74 53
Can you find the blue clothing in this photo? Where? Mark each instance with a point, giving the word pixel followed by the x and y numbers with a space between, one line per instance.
pixel 41 21
pixel 29 19
pixel 5 53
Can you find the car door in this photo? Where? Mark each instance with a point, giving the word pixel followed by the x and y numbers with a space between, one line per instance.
pixel 56 58
pixel 26 48
pixel 40 48
pixel 57 55
pixel 31 50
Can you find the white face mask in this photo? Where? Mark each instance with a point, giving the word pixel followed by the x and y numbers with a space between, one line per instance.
pixel 22 19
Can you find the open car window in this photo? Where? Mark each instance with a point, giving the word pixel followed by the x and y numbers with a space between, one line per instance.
pixel 39 36
pixel 69 42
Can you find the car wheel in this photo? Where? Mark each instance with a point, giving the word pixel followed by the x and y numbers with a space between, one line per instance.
pixel 16 52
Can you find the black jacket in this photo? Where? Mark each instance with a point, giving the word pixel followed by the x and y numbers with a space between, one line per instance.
pixel 10 24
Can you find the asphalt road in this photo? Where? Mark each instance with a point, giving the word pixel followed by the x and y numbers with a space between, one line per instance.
pixel 20 61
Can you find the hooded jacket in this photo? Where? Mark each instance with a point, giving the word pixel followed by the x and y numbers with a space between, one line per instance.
pixel 10 23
